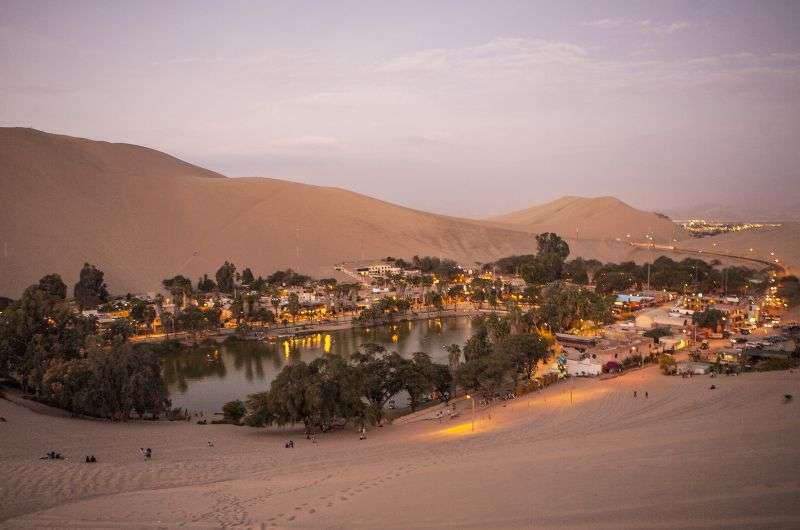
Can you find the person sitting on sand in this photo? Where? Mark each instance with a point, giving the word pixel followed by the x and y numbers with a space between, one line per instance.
pixel 149 453
pixel 210 443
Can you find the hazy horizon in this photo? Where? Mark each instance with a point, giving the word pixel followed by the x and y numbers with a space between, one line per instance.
pixel 469 110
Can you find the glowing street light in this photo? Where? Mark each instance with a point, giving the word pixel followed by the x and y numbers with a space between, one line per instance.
pixel 473 411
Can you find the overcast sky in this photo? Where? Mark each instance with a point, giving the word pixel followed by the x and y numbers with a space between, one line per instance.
pixel 467 108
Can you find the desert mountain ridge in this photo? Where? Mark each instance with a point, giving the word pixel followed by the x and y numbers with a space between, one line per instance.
pixel 593 218
pixel 142 215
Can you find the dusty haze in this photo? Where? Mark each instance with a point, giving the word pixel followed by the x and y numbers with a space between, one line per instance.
pixel 467 109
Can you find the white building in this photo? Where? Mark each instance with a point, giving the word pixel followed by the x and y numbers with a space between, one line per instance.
pixel 658 317
pixel 383 269
pixel 582 364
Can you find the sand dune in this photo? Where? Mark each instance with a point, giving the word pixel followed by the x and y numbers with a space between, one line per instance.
pixel 595 218
pixel 783 241
pixel 685 457
pixel 141 216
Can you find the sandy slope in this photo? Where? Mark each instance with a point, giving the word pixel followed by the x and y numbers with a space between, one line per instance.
pixel 141 216
pixel 597 218
pixel 784 241
pixel 685 457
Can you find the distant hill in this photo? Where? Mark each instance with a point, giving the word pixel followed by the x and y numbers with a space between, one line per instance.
pixel 142 215
pixel 753 211
pixel 593 218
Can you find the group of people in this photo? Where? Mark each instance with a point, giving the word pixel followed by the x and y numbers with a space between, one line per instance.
pixel 289 444
pixel 146 453
pixel 90 459
pixel 636 393
pixel 52 455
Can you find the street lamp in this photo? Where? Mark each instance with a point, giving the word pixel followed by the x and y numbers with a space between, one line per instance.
pixel 473 411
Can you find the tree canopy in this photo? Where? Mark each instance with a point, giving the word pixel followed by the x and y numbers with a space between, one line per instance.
pixel 90 291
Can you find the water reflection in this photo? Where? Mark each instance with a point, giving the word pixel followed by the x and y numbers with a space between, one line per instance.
pixel 204 378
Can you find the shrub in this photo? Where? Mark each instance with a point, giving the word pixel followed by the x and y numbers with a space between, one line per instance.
pixel 666 363
pixel 775 364
pixel 657 333
pixel 234 410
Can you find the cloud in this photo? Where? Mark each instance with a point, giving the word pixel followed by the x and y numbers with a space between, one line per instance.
pixel 307 142
pixel 643 26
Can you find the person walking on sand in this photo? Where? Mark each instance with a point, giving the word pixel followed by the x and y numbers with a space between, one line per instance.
pixel 646 395
pixel 634 393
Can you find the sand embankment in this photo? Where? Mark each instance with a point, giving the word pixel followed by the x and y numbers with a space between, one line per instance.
pixel 685 457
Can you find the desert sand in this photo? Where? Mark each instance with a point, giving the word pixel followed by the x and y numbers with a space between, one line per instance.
pixel 783 241
pixel 685 457
pixel 594 218
pixel 142 215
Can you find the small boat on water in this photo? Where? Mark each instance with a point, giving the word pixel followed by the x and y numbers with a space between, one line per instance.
pixel 287 336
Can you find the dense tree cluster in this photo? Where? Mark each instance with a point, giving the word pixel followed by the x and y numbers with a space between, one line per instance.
pixel 565 307
pixel 382 311
pixel 333 388
pixel 107 382
pixel 711 318
pixel 666 273
pixel 495 359
pixel 58 356
pixel 90 291
pixel 789 289
pixel 550 265
pixel 445 269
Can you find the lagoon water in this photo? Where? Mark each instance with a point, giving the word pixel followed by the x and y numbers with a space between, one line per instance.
pixel 203 379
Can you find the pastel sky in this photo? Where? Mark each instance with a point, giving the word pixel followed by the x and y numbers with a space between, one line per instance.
pixel 466 108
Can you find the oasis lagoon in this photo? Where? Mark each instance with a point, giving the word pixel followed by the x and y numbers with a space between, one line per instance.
pixel 205 378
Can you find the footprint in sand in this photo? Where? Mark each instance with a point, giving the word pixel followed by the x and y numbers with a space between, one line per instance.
pixel 312 510
pixel 343 498
pixel 290 518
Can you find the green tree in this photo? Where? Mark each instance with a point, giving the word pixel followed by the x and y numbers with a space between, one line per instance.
pixel 90 291
pixel 417 376
pixel 382 377
pixel 180 288
pixel 205 284
pixel 525 350
pixel 37 328
pixel 226 277
pixel 293 306
pixel 234 410
pixel 53 286
pixel 108 382
pixel 143 313
pixel 713 319
pixel 551 243
pixel 666 363
pixel 247 277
